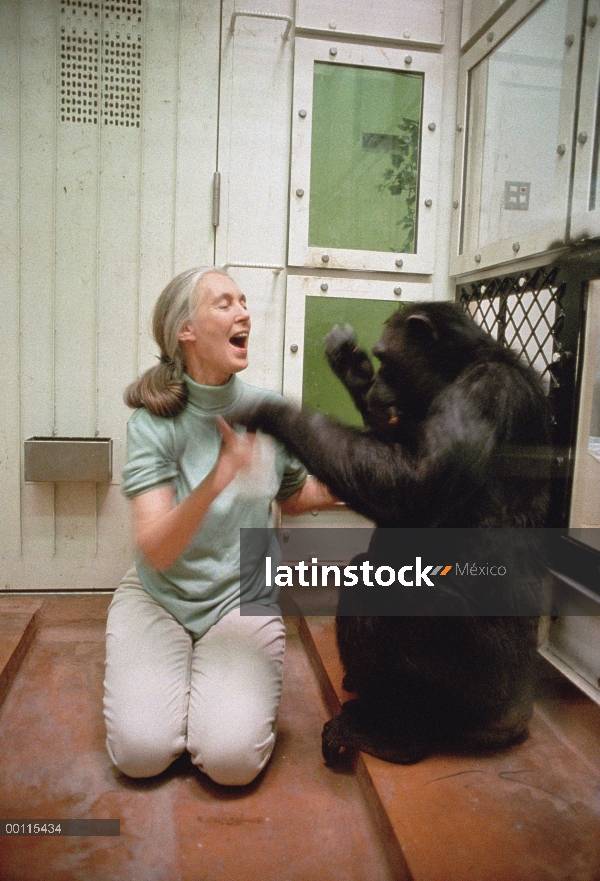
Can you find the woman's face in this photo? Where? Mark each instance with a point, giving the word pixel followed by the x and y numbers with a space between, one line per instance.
pixel 215 341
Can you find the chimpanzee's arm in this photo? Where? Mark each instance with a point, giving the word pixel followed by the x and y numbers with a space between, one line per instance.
pixel 382 480
pixel 350 364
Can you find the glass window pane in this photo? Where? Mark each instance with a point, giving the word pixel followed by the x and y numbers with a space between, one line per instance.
pixel 366 127
pixel 513 132
pixel 321 389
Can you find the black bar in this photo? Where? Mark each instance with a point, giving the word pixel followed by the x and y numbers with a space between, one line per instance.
pixel 60 827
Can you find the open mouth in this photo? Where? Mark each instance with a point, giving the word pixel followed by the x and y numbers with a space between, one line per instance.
pixel 240 340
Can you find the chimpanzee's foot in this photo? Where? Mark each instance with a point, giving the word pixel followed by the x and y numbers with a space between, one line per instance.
pixel 354 730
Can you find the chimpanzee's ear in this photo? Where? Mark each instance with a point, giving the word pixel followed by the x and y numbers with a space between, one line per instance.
pixel 421 329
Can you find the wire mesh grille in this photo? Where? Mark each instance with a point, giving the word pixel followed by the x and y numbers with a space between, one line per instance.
pixel 101 62
pixel 523 311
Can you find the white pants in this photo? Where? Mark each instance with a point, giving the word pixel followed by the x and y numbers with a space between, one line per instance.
pixel 166 691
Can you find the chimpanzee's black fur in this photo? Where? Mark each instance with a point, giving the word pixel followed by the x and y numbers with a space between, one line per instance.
pixel 450 415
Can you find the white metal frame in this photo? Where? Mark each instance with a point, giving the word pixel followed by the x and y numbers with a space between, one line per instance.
pixel 586 222
pixel 300 254
pixel 536 241
pixel 301 287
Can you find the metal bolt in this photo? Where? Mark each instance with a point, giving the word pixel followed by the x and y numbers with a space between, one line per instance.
pixel 582 137
pixel 315 513
pixel 455 203
pixel 294 348
pixel 406 35
pixel 490 37
pixel 332 25
pixel 399 263
pixel 516 247
pixel 428 203
pixel 300 192
pixel 569 40
pixel 286 533
pixel 325 258
pixel 302 114
pixel 431 126
pixel 333 51
pixel 324 286
pixel 398 291
pixel 459 127
pixel 561 149
pixel 408 59
pixel 477 258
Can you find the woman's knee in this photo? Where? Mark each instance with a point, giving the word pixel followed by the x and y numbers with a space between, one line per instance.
pixel 137 754
pixel 233 764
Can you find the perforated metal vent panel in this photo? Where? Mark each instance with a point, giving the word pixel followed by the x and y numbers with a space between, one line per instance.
pixel 101 62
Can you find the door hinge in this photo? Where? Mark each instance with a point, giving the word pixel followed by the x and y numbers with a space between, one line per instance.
pixel 216 206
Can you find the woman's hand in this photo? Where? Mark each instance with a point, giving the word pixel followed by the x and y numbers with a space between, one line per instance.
pixel 235 454
pixel 163 530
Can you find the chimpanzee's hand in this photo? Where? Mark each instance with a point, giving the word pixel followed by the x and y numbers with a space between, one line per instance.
pixel 265 415
pixel 349 363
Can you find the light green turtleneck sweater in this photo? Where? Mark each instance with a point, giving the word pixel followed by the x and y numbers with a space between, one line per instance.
pixel 203 585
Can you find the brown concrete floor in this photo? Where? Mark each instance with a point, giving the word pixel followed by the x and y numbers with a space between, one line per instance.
pixel 299 820
pixel 530 813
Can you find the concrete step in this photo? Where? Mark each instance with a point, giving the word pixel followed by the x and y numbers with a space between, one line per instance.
pixel 530 813
pixel 17 629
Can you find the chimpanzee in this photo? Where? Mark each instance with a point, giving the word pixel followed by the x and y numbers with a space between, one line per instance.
pixel 453 417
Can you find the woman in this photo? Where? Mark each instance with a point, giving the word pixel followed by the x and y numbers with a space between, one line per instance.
pixel 184 670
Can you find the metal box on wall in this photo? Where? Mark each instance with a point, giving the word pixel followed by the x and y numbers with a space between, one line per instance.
pixel 79 459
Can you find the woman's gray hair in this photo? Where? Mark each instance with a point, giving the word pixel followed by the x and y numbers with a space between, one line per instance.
pixel 162 389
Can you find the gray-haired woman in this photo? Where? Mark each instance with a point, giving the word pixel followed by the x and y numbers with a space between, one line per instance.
pixel 184 669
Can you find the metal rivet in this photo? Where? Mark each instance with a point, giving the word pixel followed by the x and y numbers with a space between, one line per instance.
pixel 286 534
pixel 315 513
pixel 477 258
pixel 408 59
pixel 398 291
pixel 406 35
pixel 332 25
pixel 302 114
pixel 399 263
pixel 592 21
pixel 325 258
pixel 569 40
pixel 428 203
pixel 324 286
pixel 516 247
pixel 431 126
pixel 561 149
pixel 333 51
pixel 490 37
pixel 455 203
pixel 582 137
pixel 459 127
pixel 294 348
pixel 300 192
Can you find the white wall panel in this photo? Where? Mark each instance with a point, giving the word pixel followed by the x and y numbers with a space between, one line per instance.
pixel 10 537
pixel 420 21
pixel 196 135
pixel 254 139
pixel 159 164
pixel 38 103
pixel 108 213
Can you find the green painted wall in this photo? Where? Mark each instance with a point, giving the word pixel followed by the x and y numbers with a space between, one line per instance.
pixel 322 390
pixel 358 135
